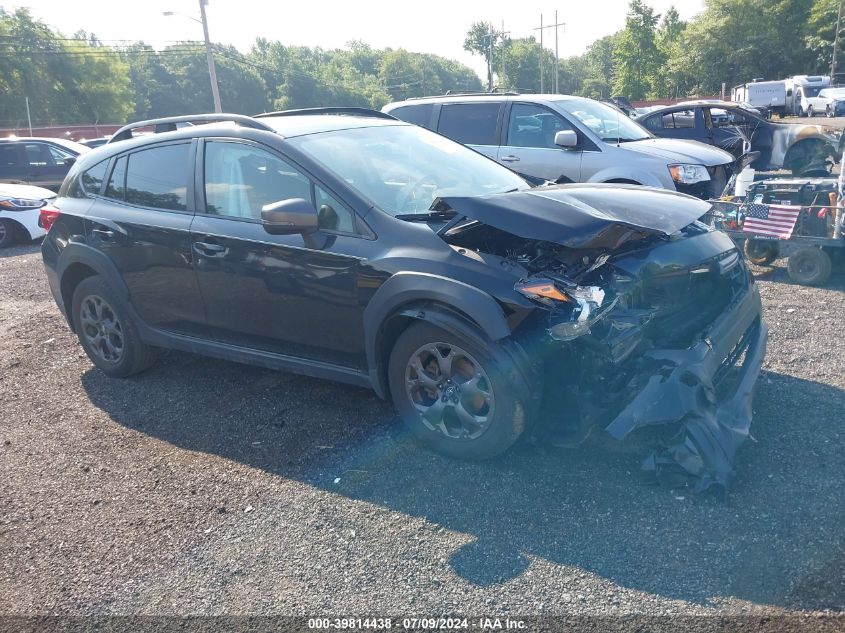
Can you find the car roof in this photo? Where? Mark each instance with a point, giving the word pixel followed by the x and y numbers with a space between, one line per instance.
pixel 469 98
pixel 299 125
pixel 75 147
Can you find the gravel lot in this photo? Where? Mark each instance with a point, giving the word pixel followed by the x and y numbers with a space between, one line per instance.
pixel 207 487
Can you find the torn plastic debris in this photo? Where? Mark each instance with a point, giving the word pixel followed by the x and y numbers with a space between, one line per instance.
pixel 710 431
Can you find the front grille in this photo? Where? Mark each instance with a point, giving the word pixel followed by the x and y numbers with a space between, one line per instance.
pixel 685 302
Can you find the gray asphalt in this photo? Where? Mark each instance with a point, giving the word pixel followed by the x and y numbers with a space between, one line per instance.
pixel 207 487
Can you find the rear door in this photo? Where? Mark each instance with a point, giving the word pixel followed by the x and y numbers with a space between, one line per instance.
pixel 141 221
pixel 529 143
pixel 474 123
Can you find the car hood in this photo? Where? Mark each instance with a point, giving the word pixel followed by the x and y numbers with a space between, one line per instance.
pixel 674 150
pixel 28 192
pixel 583 215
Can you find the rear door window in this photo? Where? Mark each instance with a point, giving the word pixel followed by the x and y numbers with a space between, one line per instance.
pixel 679 120
pixel 116 189
pixel 158 177
pixel 470 123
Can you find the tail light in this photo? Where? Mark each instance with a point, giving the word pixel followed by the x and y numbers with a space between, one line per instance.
pixel 48 214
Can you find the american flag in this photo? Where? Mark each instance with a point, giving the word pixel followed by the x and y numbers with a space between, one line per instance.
pixel 772 220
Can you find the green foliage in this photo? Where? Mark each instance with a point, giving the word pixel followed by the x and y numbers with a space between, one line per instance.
pixel 80 80
pixel 636 58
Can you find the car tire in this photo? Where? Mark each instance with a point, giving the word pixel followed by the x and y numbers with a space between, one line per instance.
pixel 761 252
pixel 106 330
pixel 801 112
pixel 429 372
pixel 8 233
pixel 828 112
pixel 810 112
pixel 809 266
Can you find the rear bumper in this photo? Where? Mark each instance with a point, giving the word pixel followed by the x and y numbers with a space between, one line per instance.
pixel 708 389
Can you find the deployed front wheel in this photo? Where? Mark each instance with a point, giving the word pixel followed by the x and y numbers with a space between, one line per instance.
pixel 453 394
pixel 106 331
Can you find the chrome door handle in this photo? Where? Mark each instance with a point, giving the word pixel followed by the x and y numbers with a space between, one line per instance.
pixel 103 233
pixel 510 158
pixel 208 249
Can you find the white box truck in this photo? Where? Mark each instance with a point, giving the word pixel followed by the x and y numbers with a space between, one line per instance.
pixel 767 94
pixel 802 94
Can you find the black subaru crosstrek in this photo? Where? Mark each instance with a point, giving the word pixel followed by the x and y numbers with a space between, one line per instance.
pixel 347 245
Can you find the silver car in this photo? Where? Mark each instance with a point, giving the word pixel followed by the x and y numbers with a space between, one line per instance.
pixel 570 139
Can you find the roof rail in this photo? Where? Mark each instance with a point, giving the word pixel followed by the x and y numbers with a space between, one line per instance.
pixel 352 111
pixel 470 93
pixel 168 124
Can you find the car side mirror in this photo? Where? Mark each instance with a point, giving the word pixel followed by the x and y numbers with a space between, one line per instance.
pixel 70 160
pixel 566 139
pixel 287 217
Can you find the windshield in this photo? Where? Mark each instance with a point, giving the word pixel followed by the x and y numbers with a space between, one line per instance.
pixel 610 124
pixel 811 92
pixel 404 168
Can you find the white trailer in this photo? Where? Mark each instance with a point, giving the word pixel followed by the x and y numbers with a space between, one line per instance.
pixel 802 94
pixel 769 94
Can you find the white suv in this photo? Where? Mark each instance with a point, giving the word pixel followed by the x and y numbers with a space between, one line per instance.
pixel 570 139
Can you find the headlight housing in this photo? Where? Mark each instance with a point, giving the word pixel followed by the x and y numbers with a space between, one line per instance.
pixel 688 174
pixel 574 309
pixel 19 204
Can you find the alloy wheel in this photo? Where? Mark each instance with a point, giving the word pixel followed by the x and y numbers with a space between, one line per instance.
pixel 450 390
pixel 101 328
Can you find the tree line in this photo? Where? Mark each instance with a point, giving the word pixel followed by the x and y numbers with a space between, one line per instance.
pixel 661 56
pixel 82 79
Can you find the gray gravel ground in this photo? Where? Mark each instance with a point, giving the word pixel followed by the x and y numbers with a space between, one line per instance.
pixel 207 487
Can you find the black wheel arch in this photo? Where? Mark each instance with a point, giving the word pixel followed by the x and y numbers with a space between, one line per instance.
pixel 407 297
pixel 79 261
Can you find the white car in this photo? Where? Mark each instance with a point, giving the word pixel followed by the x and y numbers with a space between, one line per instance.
pixel 19 210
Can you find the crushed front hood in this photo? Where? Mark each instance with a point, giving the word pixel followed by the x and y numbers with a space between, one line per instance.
pixel 583 215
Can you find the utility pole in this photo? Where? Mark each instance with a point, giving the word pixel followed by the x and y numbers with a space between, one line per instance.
pixel 542 50
pixel 28 117
pixel 504 33
pixel 212 71
pixel 490 60
pixel 835 45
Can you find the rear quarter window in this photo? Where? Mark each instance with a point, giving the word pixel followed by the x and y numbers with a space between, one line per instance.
pixel 92 179
pixel 470 123
pixel 419 114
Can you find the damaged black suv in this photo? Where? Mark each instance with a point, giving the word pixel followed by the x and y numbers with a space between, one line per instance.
pixel 344 244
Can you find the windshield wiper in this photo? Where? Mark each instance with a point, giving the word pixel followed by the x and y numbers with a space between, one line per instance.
pixel 431 216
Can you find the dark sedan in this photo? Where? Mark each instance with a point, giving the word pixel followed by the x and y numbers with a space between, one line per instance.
pixel 799 147
pixel 43 162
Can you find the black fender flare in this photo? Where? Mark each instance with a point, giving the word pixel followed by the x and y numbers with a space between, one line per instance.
pixel 410 289
pixel 78 253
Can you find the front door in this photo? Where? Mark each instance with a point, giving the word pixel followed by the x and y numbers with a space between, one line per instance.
pixel 529 144
pixel 141 220
pixel 288 294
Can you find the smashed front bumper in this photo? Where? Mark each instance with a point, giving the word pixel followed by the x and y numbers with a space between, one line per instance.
pixel 708 389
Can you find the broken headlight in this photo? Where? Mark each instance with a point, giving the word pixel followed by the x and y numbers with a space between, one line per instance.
pixel 573 309
pixel 689 174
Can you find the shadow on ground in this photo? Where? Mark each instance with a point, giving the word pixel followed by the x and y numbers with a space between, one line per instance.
pixel 777 539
